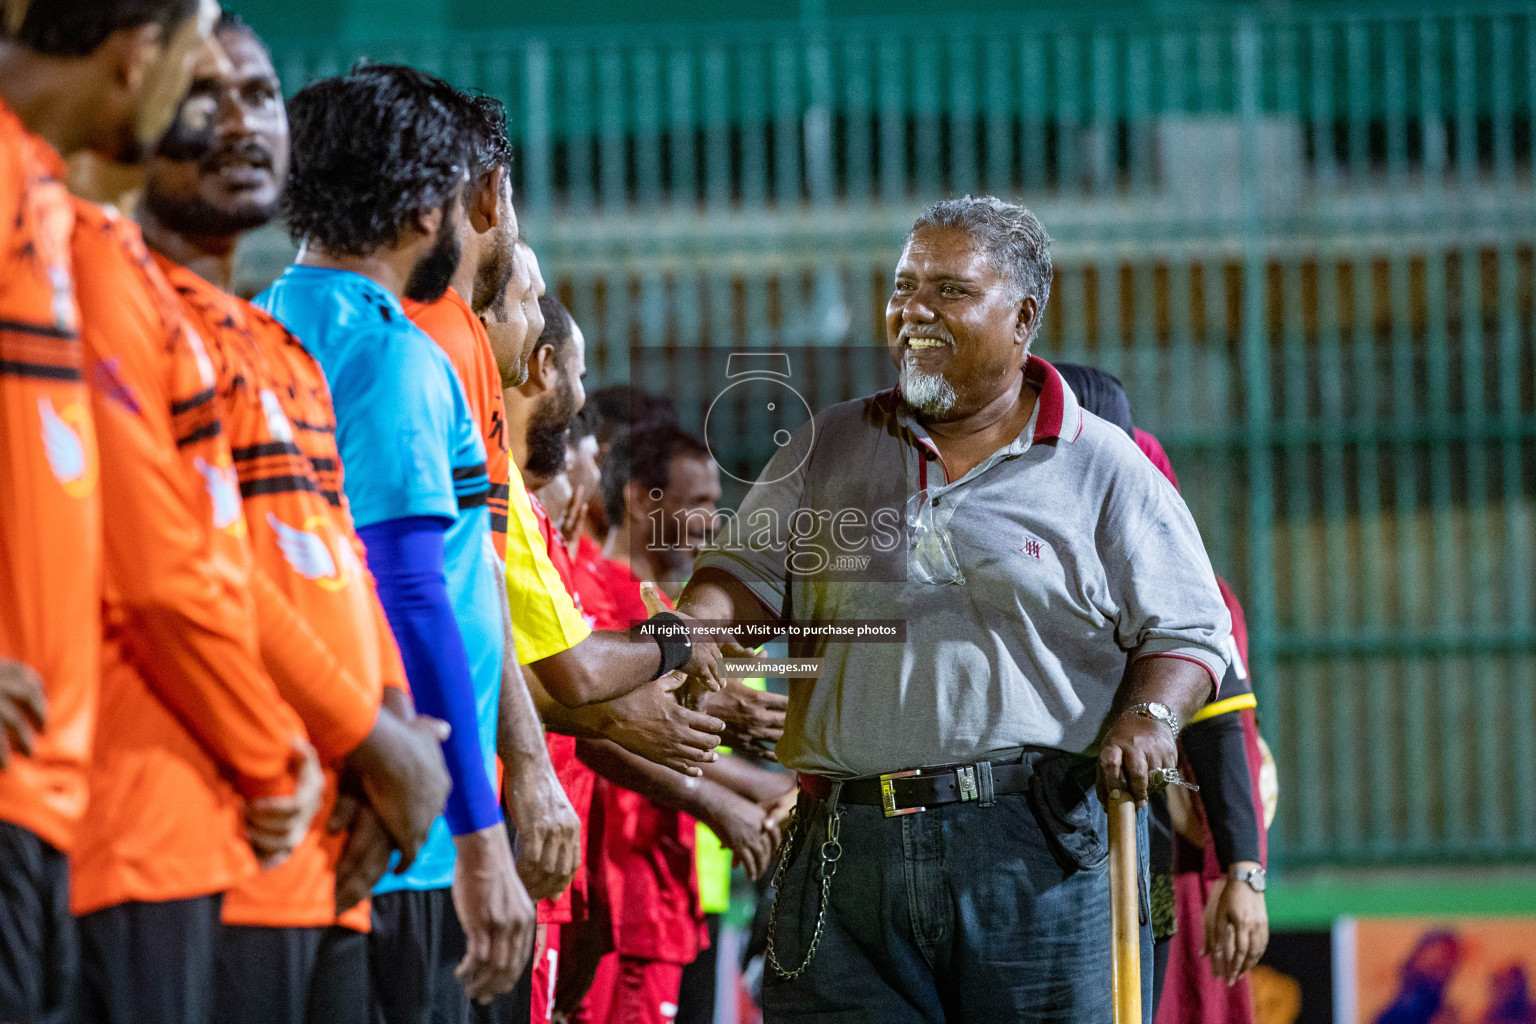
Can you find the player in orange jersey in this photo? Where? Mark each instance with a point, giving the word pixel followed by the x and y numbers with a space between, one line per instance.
pixel 489 261
pixel 284 957
pixel 182 681
pixel 74 75
pixel 204 762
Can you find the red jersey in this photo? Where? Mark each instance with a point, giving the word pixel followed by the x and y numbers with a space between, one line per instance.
pixel 196 721
pixel 323 633
pixel 648 850
pixel 592 583
pixel 50 507
pixel 598 609
pixel 458 332
pixel 575 777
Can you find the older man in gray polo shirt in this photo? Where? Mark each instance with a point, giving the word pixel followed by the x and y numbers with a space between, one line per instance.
pixel 948 860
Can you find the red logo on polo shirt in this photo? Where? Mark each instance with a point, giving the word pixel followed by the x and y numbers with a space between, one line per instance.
pixel 1032 548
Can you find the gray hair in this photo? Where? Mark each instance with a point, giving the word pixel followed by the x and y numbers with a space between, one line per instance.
pixel 1011 236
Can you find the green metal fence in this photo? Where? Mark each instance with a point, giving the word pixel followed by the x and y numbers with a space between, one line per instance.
pixel 1304 240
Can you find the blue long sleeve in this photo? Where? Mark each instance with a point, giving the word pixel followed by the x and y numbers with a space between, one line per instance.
pixel 406 558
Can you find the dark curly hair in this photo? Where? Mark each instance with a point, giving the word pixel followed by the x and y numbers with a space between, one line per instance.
pixel 371 149
pixel 75 28
pixel 612 410
pixel 488 126
pixel 645 455
pixel 559 327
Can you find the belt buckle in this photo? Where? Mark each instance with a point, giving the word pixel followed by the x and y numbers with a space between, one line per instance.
pixel 888 794
pixel 965 780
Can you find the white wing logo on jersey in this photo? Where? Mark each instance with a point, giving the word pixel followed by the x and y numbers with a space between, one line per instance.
pixel 200 356
pixel 64 315
pixel 223 491
pixel 305 551
pixel 277 424
pixel 66 452
pixel 1236 658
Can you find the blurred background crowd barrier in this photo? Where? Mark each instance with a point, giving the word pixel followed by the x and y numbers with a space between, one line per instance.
pixel 1302 234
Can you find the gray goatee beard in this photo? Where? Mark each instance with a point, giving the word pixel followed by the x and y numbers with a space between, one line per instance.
pixel 927 394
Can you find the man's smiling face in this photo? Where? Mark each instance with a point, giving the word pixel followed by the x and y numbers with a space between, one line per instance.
pixel 956 327
pixel 220 168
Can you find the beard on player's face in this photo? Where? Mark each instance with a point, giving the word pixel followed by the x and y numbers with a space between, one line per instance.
pixel 194 215
pixel 215 175
pixel 434 272
pixel 549 430
pixel 198 185
pixel 494 272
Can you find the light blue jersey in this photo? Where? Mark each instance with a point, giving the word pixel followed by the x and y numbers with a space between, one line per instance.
pixel 409 447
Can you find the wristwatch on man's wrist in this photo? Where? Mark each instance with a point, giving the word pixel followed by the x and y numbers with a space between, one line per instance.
pixel 1157 712
pixel 1253 876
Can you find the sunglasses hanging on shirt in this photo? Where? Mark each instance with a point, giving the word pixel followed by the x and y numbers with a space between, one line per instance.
pixel 930 551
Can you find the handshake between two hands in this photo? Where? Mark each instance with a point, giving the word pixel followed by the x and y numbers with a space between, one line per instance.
pixel 748 721
pixel 749 824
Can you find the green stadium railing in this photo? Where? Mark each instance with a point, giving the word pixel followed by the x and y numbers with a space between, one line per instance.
pixel 1302 236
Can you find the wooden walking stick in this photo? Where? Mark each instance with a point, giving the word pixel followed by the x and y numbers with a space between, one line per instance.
pixel 1124 908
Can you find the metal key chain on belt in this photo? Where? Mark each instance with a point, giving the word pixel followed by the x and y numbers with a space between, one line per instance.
pixel 831 853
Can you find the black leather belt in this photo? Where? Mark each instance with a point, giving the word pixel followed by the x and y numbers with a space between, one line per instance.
pixel 918 789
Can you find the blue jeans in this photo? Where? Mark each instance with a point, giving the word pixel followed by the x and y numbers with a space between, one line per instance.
pixel 961 913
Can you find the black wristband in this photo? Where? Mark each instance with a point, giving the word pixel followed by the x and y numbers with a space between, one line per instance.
pixel 671 635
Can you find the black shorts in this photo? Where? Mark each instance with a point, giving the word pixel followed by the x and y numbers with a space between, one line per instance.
pixel 149 962
pixel 413 949
pixel 291 976
pixel 696 998
pixel 39 950
pixel 415 945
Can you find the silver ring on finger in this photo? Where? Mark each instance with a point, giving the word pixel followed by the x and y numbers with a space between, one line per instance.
pixel 1170 777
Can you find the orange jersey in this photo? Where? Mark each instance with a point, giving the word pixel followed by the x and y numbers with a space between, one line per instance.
pixel 323 633
pixel 50 509
pixel 459 332
pixel 194 720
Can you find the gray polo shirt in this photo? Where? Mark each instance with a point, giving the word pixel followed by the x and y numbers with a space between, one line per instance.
pixel 1075 553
